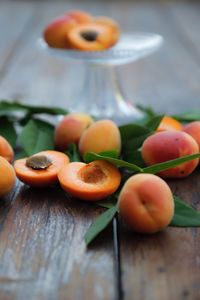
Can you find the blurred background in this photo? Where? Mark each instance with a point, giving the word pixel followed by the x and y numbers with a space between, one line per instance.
pixel 167 80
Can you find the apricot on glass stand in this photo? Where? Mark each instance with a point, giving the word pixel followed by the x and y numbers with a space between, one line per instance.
pixel 101 95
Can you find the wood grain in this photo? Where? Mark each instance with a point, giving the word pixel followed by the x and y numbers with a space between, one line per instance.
pixel 42 252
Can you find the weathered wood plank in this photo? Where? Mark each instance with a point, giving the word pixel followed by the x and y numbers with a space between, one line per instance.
pixel 42 252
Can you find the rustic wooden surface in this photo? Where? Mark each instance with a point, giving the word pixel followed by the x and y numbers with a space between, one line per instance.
pixel 42 252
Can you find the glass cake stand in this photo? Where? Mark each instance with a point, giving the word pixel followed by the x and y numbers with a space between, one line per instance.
pixel 101 95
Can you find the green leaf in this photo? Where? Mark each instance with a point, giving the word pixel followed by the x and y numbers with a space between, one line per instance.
pixel 153 123
pixel 170 164
pixel 110 201
pixel 37 136
pixel 185 215
pixel 100 224
pixel 73 153
pixel 188 116
pixel 91 156
pixel 111 153
pixel 8 131
pixel 7 107
pixel 134 157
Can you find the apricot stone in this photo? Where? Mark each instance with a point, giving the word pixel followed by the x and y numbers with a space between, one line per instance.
pixel 90 182
pixel 146 203
pixel 7 178
pixel 6 149
pixel 101 136
pixel 193 129
pixel 168 145
pixel 70 129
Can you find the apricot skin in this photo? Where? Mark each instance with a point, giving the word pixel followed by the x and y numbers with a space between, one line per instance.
pixel 193 129
pixel 55 33
pixel 168 145
pixel 6 149
pixel 90 182
pixel 70 129
pixel 101 136
pixel 146 203
pixel 8 179
pixel 169 123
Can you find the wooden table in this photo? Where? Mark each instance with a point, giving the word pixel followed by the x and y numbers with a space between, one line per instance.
pixel 42 252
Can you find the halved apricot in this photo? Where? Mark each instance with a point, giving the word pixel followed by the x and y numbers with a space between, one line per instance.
pixel 92 182
pixel 112 25
pixel 90 37
pixel 169 123
pixel 41 169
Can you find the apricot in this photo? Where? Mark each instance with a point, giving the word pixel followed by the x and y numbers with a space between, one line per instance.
pixel 193 129
pixel 70 129
pixel 6 149
pixel 146 203
pixel 55 33
pixel 90 37
pixel 41 169
pixel 168 145
pixel 7 178
pixel 101 136
pixel 169 123
pixel 92 182
pixel 112 25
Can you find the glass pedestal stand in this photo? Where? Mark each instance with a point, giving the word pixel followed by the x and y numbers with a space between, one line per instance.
pixel 101 95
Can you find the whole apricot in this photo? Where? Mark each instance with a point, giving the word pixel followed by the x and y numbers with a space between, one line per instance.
pixel 70 129
pixel 169 123
pixel 55 33
pixel 168 145
pixel 193 129
pixel 146 203
pixel 101 136
pixel 6 149
pixel 7 178
pixel 91 182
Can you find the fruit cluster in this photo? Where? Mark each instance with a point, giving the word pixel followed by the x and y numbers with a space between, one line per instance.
pixel 145 200
pixel 81 31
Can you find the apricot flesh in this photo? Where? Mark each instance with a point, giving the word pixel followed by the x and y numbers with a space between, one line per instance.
pixel 146 203
pixel 41 177
pixel 169 123
pixel 90 37
pixel 90 182
pixel 193 129
pixel 168 145
pixel 6 149
pixel 101 136
pixel 7 178
pixel 115 31
pixel 70 129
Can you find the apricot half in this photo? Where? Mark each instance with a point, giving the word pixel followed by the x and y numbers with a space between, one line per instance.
pixel 70 129
pixel 168 145
pixel 146 203
pixel 6 149
pixel 7 178
pixel 101 136
pixel 90 37
pixel 92 182
pixel 115 31
pixel 169 123
pixel 40 169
